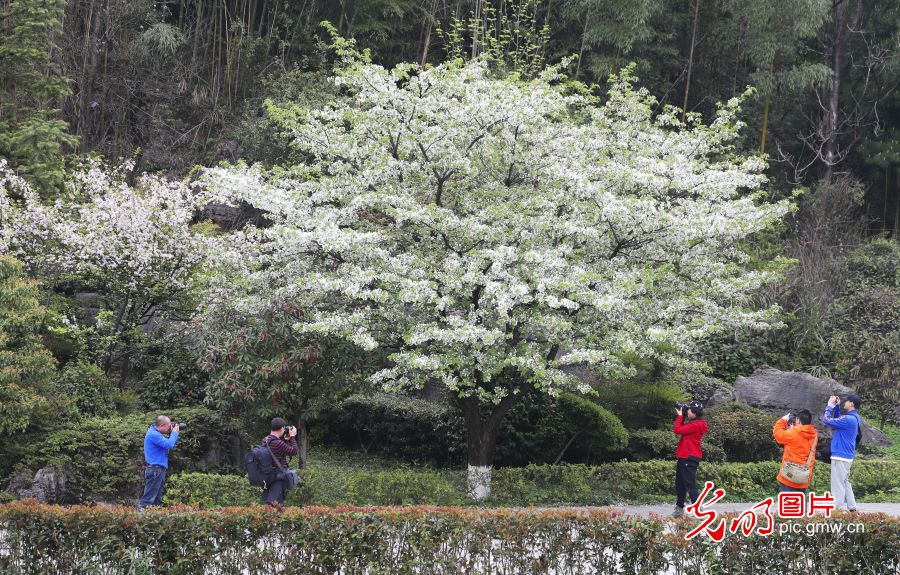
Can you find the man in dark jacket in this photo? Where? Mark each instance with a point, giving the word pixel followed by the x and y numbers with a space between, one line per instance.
pixel 282 440
pixel 688 453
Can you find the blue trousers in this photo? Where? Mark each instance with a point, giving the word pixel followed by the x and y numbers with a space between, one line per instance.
pixel 154 486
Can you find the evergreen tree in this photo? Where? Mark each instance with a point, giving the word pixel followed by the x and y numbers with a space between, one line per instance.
pixel 26 367
pixel 32 136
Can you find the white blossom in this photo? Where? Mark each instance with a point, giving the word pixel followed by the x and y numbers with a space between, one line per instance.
pixel 479 227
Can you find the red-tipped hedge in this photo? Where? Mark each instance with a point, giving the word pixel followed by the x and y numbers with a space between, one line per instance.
pixel 42 539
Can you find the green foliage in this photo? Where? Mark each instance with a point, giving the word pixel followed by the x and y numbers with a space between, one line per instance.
pixel 102 458
pixel 87 387
pixel 171 378
pixel 643 403
pixel 569 427
pixel 26 367
pixel 32 136
pixel 539 429
pixel 742 433
pixel 736 354
pixel 863 324
pixel 623 482
pixel 614 32
pixel 402 427
pixel 401 487
pixel 509 37
pixel 210 490
pixel 698 386
pixel 260 127
pixel 260 366
pixel 416 540
pixel 648 444
pixel 893 433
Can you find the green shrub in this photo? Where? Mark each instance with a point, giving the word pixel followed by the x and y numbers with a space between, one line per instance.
pixel 103 457
pixel 568 428
pixel 742 432
pixel 171 378
pixel 87 387
pixel 642 404
pixel 39 539
pixel 647 444
pixel 698 386
pixel 401 487
pixel 539 428
pixel 402 427
pixel 210 490
pixel 543 485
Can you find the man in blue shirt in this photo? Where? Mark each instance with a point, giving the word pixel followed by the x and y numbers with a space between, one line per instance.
pixel 156 454
pixel 843 447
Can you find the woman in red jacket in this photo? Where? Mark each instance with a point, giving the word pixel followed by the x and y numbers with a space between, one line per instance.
pixel 691 427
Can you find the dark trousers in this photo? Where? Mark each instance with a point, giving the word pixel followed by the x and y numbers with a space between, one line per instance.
pixel 686 480
pixel 782 488
pixel 274 491
pixel 154 486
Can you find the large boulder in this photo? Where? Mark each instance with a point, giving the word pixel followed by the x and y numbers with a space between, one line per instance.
pixel 48 485
pixel 779 392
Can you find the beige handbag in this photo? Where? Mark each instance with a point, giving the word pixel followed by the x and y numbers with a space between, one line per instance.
pixel 800 474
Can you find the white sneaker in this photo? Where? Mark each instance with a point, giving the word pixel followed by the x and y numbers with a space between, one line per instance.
pixel 679 512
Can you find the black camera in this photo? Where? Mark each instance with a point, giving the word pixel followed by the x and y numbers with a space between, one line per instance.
pixel 181 425
pixel 288 429
pixel 792 419
pixel 684 407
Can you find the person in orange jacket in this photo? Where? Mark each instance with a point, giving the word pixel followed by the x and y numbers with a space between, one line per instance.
pixel 799 441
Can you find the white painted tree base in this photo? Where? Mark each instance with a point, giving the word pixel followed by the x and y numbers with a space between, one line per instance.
pixel 480 481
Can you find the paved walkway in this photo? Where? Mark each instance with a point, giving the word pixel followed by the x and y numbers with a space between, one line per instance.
pixel 646 510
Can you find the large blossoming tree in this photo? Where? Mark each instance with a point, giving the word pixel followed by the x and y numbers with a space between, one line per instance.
pixel 133 245
pixel 491 234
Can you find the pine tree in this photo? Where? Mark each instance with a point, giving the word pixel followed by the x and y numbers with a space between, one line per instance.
pixel 26 367
pixel 32 136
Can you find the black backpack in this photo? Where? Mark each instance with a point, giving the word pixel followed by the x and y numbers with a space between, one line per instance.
pixel 260 465
pixel 858 431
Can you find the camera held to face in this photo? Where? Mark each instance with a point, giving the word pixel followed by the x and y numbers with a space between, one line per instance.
pixel 694 405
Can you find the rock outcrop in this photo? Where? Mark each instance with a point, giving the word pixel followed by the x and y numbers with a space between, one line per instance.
pixel 779 392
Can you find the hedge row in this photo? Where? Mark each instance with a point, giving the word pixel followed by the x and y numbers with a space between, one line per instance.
pixel 543 485
pixel 37 539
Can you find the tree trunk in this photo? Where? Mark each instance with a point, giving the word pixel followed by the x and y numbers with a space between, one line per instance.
pixel 896 209
pixel 765 120
pixel 479 30
pixel 687 82
pixel 302 443
pixel 566 448
pixel 842 26
pixel 583 40
pixel 426 43
pixel 481 432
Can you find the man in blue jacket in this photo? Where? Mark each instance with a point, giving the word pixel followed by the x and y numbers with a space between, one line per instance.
pixel 156 454
pixel 843 447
